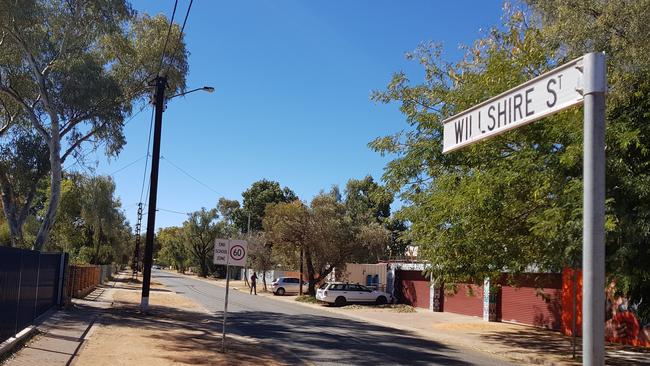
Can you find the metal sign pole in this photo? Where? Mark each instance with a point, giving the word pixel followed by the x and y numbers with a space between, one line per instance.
pixel 593 241
pixel 225 304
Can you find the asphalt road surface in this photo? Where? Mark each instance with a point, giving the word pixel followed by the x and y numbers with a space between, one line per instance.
pixel 302 335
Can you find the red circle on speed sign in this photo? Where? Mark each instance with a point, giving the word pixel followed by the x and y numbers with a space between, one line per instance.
pixel 237 252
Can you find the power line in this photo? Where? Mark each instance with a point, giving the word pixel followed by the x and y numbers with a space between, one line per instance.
pixel 105 141
pixel 172 211
pixel 180 35
pixel 169 30
pixel 144 176
pixel 189 175
pixel 166 210
pixel 128 165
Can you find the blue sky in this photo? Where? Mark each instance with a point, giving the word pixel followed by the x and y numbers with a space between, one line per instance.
pixel 292 80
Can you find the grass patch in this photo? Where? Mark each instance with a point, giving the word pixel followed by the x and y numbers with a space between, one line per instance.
pixel 396 308
pixel 307 299
pixel 401 308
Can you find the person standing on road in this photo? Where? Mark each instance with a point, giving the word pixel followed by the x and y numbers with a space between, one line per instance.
pixel 254 283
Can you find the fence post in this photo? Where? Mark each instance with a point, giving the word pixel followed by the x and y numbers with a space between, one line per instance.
pixel 62 271
pixel 20 278
pixel 38 277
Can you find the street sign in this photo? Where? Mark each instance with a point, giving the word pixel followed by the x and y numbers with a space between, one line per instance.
pixel 544 95
pixel 230 252
pixel 581 80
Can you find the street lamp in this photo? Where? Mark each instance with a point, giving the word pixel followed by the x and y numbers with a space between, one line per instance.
pixel 208 89
pixel 159 98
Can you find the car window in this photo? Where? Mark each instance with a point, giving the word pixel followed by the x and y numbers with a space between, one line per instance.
pixel 294 280
pixel 322 287
pixel 364 288
pixel 354 288
pixel 336 287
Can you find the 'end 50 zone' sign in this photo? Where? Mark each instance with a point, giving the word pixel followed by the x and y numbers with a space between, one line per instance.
pixel 546 94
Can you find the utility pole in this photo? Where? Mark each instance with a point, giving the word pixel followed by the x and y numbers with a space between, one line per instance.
pixel 136 251
pixel 161 84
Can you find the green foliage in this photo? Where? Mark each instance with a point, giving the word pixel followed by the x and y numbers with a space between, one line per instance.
pixel 73 70
pixel 91 226
pixel 509 203
pixel 620 29
pixel 514 203
pixel 256 198
pixel 23 165
pixel 367 201
pixel 228 209
pixel 323 231
pixel 174 250
pixel 200 230
pixel 260 257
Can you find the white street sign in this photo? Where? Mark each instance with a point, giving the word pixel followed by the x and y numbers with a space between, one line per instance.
pixel 546 94
pixel 230 252
pixel 581 80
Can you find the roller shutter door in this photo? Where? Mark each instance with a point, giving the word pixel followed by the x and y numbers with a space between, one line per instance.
pixel 412 288
pixel 530 305
pixel 468 300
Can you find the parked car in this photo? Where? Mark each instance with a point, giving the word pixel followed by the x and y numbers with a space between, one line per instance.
pixel 339 294
pixel 283 285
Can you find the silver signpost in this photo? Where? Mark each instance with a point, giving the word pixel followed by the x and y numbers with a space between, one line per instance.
pixel 229 252
pixel 582 80
pixel 593 230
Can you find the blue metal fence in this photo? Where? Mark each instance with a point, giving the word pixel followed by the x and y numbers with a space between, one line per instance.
pixel 30 284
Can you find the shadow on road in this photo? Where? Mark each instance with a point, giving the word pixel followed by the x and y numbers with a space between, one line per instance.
pixel 341 340
pixel 190 337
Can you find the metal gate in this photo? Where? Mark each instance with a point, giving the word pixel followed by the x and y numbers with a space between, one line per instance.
pixel 30 284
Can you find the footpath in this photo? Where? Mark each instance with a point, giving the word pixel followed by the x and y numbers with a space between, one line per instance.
pixel 107 328
pixel 522 344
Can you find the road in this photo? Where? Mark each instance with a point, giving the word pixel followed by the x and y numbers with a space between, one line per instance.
pixel 305 335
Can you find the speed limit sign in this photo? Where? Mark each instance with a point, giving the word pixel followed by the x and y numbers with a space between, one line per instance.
pixel 230 252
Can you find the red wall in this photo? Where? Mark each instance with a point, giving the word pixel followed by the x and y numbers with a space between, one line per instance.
pixel 412 288
pixel 536 300
pixel 468 300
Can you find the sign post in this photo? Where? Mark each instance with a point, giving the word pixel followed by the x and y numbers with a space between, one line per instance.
pixel 582 80
pixel 229 252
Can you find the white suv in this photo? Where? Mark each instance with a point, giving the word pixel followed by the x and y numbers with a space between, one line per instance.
pixel 339 294
pixel 285 285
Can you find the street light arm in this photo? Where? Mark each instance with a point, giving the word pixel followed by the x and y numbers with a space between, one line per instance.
pixel 208 89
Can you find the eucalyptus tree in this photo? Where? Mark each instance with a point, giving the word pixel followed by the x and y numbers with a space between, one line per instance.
pixel 23 165
pixel 256 198
pixel 201 229
pixel 75 69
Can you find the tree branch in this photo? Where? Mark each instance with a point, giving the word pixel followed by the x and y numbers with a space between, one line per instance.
pixel 37 74
pixel 30 112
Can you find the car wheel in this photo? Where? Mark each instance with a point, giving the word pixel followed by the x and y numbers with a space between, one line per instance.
pixel 279 291
pixel 381 300
pixel 340 301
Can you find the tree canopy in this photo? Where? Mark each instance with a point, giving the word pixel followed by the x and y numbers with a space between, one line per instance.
pixel 73 70
pixel 256 198
pixel 514 203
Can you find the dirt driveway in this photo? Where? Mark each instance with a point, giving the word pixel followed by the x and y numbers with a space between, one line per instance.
pixel 175 332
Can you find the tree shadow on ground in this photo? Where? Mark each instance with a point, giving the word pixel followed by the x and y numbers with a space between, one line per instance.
pixel 342 340
pixel 554 343
pixel 295 340
pixel 187 335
